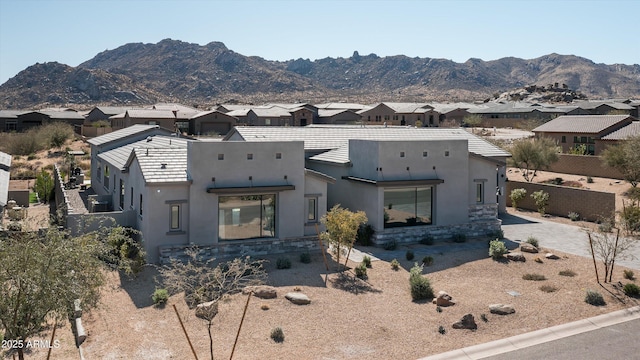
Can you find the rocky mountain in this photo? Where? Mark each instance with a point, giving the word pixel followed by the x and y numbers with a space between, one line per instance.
pixel 192 74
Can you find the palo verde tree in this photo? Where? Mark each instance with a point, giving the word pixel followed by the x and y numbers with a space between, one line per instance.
pixel 44 186
pixel 342 228
pixel 40 277
pixel 608 245
pixel 532 155
pixel 625 158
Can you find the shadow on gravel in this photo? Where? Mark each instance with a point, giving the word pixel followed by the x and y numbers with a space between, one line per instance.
pixel 508 219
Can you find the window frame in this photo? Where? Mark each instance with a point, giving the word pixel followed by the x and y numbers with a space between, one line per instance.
pixel 174 218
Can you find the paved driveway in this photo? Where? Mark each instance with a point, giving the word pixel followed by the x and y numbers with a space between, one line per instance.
pixel 561 237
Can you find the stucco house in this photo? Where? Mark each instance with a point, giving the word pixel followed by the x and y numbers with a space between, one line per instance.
pixel 264 189
pixel 570 131
pixel 393 113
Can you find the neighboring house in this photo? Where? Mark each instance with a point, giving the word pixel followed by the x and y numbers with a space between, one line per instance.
pixel 211 122
pixel 342 106
pixel 300 114
pixel 517 114
pixel 5 169
pixel 31 118
pixel 164 118
pixel 570 131
pixel 410 181
pixel 103 113
pixel 619 135
pixel 9 120
pixel 600 107
pixel 338 116
pixel 401 114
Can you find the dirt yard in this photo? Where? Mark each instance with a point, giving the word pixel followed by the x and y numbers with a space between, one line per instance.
pixel 349 318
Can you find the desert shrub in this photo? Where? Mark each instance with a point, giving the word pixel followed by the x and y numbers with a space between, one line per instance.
pixel 122 251
pixel 628 274
pixel 594 298
pixel 541 199
pixel 409 255
pixel 632 290
pixel 569 273
pixel 459 238
pixel 442 330
pixel 556 181
pixel 605 225
pixel 364 235
pixel 283 263
pixel 305 258
pixel 420 285
pixel 427 240
pixel 14 226
pixel 395 264
pixel 630 218
pixel 484 317
pixel 573 184
pixel 277 334
pixel 427 260
pixel 361 271
pixel 589 180
pixel 534 277
pixel 366 260
pixel 516 196
pixel 548 288
pixel 160 297
pixel 533 241
pixel 573 216
pixel 31 156
pixel 390 245
pixel 56 134
pixel 497 249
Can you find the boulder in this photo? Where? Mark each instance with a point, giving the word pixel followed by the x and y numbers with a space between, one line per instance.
pixel 516 256
pixel 443 299
pixel 501 309
pixel 467 322
pixel 528 248
pixel 551 256
pixel 298 298
pixel 261 291
pixel 208 310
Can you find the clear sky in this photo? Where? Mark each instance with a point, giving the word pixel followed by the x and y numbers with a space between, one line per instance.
pixel 73 31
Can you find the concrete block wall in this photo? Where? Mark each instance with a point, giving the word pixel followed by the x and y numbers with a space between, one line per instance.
pixel 590 205
pixel 583 165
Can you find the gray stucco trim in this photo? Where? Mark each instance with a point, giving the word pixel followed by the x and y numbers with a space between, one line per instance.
pixel 384 183
pixel 249 190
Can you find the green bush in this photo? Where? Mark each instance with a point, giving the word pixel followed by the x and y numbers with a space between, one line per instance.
pixel 459 238
pixel 497 249
pixel 594 298
pixel 516 196
pixel 574 216
pixel 420 285
pixel 361 271
pixel 630 218
pixel 277 335
pixel 390 245
pixel 589 180
pixel 283 263
pixel 395 264
pixel 442 330
pixel 31 157
pixel 364 235
pixel 160 297
pixel 533 241
pixel 632 290
pixel 409 255
pixel 628 274
pixel 427 240
pixel 366 260
pixel 427 260
pixel 305 258
pixel 541 199
pixel 534 277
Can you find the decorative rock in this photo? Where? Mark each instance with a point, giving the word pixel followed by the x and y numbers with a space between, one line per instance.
pixel 208 310
pixel 516 256
pixel 501 309
pixel 261 291
pixel 298 298
pixel 551 256
pixel 528 248
pixel 443 299
pixel 467 322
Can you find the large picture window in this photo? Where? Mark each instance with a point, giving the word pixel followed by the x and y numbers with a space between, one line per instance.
pixel 246 217
pixel 407 206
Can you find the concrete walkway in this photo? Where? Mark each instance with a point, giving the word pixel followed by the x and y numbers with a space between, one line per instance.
pixel 561 237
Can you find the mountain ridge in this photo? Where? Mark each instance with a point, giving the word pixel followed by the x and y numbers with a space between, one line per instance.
pixel 173 70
